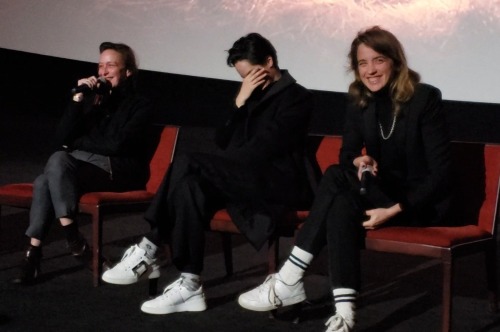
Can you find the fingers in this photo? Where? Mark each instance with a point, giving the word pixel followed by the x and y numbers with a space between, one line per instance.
pixel 90 81
pixel 374 219
pixel 257 77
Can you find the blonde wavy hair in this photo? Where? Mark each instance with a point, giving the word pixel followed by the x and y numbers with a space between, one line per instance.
pixel 403 79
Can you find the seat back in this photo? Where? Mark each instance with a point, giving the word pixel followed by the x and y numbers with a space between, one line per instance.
pixel 488 215
pixel 328 151
pixel 476 172
pixel 162 157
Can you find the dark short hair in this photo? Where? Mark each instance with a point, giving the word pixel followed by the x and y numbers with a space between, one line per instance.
pixel 126 52
pixel 254 48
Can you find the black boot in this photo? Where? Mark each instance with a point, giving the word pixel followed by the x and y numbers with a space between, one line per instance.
pixel 30 267
pixel 81 251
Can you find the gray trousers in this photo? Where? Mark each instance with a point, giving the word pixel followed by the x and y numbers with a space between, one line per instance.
pixel 56 192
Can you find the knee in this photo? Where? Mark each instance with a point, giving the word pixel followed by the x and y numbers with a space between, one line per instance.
pixel 40 183
pixel 333 171
pixel 57 161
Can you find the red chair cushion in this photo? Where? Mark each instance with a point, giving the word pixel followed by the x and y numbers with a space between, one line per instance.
pixel 95 198
pixel 17 194
pixel 222 222
pixel 434 236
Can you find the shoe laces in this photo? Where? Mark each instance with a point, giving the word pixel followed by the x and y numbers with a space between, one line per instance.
pixel 271 292
pixel 175 284
pixel 129 252
pixel 337 323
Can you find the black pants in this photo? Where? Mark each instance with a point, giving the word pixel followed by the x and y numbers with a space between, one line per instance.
pixel 56 192
pixel 335 221
pixel 183 206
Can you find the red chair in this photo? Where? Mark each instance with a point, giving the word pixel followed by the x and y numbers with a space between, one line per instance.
pixel 100 204
pixel 222 223
pixel 475 212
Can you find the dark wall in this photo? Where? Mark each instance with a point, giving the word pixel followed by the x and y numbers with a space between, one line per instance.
pixel 41 84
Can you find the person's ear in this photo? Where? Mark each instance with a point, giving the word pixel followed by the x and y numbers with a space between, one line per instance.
pixel 269 62
pixel 128 73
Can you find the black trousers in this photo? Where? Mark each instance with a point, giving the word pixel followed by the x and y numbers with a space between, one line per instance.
pixel 56 192
pixel 183 206
pixel 335 221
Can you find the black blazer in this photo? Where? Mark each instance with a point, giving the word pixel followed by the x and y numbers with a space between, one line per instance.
pixel 422 132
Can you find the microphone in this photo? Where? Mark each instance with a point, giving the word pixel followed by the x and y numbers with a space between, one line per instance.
pixel 366 173
pixel 101 86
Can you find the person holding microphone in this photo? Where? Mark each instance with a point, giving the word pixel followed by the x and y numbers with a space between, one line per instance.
pixel 101 144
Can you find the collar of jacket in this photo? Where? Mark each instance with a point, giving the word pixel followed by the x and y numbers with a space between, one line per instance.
pixel 285 81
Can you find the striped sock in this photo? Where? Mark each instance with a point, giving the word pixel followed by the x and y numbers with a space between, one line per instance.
pixel 345 304
pixel 295 266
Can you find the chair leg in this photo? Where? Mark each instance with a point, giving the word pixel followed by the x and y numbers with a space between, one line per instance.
pixel 96 247
pixel 228 253
pixel 447 290
pixel 491 275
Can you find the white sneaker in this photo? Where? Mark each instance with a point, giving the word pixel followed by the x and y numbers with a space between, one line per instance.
pixel 176 298
pixel 337 323
pixel 134 266
pixel 272 294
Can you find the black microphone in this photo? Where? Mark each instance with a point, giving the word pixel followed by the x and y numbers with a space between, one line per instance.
pixel 101 86
pixel 365 175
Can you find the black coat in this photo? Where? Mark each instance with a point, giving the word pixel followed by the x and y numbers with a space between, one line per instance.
pixel 259 170
pixel 119 127
pixel 421 132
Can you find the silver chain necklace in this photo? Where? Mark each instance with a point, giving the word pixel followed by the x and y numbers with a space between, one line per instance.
pixel 385 138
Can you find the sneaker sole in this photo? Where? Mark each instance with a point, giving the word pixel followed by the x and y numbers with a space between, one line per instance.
pixel 288 302
pixel 155 274
pixel 195 306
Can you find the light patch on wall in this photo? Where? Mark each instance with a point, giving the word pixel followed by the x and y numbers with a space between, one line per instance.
pixel 338 18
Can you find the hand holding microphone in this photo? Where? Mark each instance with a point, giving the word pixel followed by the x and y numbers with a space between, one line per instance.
pixel 366 174
pixel 100 85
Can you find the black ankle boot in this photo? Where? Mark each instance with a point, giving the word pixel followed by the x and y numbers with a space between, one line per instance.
pixel 81 251
pixel 30 267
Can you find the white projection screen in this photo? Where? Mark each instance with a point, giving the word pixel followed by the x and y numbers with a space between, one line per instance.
pixel 453 44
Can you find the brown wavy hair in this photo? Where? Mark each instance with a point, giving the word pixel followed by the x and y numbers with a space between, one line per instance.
pixel 403 79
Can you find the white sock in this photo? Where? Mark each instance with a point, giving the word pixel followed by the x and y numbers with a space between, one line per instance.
pixel 191 281
pixel 295 266
pixel 345 304
pixel 149 246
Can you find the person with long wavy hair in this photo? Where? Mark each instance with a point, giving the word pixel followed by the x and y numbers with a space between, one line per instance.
pixel 402 178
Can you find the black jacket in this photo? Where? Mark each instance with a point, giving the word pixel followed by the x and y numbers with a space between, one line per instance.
pixel 421 132
pixel 259 171
pixel 118 127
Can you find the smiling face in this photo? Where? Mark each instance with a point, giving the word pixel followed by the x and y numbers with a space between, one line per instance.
pixel 374 69
pixel 112 67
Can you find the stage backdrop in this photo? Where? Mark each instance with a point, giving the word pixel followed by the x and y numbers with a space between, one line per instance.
pixel 452 43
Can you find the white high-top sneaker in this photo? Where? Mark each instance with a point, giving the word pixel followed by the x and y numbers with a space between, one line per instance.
pixel 134 266
pixel 272 294
pixel 176 298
